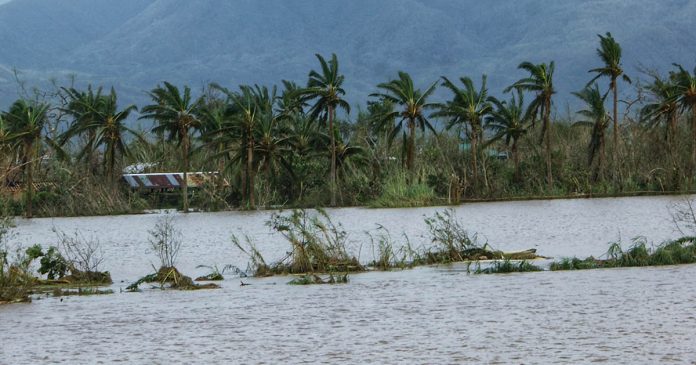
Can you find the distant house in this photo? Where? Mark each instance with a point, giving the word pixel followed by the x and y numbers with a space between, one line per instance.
pixel 168 181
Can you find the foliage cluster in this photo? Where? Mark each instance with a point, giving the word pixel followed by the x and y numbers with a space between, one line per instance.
pixel 298 145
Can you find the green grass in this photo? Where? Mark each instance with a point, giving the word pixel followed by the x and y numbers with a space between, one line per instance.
pixel 397 192
pixel 507 267
pixel 678 252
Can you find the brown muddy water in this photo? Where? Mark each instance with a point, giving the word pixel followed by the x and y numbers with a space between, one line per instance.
pixel 432 315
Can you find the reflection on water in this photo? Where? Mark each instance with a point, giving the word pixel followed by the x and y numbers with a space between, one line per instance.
pixel 426 315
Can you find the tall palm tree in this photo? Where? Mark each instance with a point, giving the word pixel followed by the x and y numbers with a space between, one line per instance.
pixel 663 109
pixel 610 53
pixel 272 144
pixel 469 106
pixel 102 119
pixel 540 82
pixel 8 150
pixel 26 121
pixel 414 103
pixel 305 140
pixel 326 89
pixel 509 121
pixel 595 116
pixel 686 86
pixel 82 106
pixel 178 115
pixel 246 108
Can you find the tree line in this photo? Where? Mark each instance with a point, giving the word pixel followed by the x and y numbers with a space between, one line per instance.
pixel 296 144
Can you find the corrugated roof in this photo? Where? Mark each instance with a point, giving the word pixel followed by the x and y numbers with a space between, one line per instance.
pixel 169 180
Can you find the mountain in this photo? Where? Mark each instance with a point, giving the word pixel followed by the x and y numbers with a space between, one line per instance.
pixel 134 44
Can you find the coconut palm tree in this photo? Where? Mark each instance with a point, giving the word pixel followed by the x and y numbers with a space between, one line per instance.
pixel 8 150
pixel 326 89
pixel 413 102
pixel 305 140
pixel 246 109
pixel 540 83
pixel 105 123
pixel 82 106
pixel 177 114
pixel 26 121
pixel 509 121
pixel 594 116
pixel 272 143
pixel 686 88
pixel 610 53
pixel 468 107
pixel 664 108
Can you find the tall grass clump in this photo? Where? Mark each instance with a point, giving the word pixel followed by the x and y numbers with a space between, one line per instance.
pixel 452 242
pixel 399 192
pixel 386 256
pixel 678 252
pixel 317 245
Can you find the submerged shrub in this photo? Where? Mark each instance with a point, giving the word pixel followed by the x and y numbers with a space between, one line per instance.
pixel 166 241
pixel 317 244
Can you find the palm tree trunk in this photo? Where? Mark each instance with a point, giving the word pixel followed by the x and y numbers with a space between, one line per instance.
pixel 602 158
pixel 333 155
pixel 244 184
pixel 411 145
pixel 474 154
pixel 30 180
pixel 693 143
pixel 547 123
pixel 615 152
pixel 516 161
pixel 250 168
pixel 184 183
pixel 672 136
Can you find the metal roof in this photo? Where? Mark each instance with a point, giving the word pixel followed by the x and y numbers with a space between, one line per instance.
pixel 168 180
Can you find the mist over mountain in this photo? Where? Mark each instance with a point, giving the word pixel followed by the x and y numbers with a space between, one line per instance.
pixel 134 44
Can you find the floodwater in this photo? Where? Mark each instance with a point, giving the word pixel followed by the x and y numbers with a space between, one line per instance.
pixel 432 315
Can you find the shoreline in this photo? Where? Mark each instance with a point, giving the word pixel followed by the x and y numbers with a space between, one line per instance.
pixel 588 196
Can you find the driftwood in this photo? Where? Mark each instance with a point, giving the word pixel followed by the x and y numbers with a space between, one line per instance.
pixel 478 254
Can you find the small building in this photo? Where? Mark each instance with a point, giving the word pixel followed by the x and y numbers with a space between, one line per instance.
pixel 168 181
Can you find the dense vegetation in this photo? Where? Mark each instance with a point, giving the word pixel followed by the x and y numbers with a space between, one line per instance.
pixel 294 145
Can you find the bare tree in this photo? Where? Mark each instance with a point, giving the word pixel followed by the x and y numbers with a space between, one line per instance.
pixel 84 254
pixel 166 240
